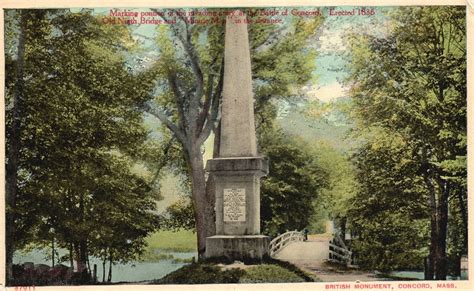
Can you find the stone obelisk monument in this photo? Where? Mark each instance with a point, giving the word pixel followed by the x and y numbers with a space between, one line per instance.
pixel 238 169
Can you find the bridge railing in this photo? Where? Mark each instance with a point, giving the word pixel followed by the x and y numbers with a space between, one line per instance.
pixel 281 241
pixel 339 252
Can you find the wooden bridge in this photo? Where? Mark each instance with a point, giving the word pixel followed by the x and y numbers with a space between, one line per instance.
pixel 337 250
pixel 314 254
pixel 281 241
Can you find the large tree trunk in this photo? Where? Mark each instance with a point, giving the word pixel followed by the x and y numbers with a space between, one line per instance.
pixel 83 253
pixel 52 252
pixel 438 262
pixel 109 277
pixel 462 207
pixel 431 264
pixel 103 269
pixel 202 199
pixel 441 270
pixel 71 256
pixel 81 248
pixel 80 254
pixel 211 181
pixel 13 146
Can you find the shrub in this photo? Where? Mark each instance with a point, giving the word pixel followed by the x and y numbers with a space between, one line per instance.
pixel 292 268
pixel 274 271
pixel 269 274
pixel 201 274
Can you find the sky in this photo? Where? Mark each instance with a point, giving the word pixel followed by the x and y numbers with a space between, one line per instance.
pixel 332 61
pixel 331 45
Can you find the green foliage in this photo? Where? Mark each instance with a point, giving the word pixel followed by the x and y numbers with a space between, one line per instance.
pixel 389 214
pixel 201 274
pixel 295 181
pixel 81 135
pixel 281 66
pixel 409 102
pixel 342 186
pixel 206 273
pixel 269 274
pixel 390 241
pixel 180 215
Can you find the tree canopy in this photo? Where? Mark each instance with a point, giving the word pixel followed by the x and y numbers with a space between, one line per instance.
pixel 409 100
pixel 78 136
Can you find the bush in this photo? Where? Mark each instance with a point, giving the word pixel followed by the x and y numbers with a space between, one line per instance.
pixel 45 275
pixel 274 271
pixel 201 274
pixel 269 274
pixel 292 268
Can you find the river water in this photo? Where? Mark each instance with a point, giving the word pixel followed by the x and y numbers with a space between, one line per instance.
pixel 421 275
pixel 131 272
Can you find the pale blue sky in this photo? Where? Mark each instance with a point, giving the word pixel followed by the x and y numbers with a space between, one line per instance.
pixel 331 45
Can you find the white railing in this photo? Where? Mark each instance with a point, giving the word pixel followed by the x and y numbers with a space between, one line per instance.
pixel 281 241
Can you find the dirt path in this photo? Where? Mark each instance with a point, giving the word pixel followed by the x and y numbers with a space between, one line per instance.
pixel 311 256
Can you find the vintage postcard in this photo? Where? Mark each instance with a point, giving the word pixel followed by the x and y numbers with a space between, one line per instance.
pixel 278 145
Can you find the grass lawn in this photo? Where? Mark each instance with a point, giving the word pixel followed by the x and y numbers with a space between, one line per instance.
pixel 175 241
pixel 269 274
pixel 273 271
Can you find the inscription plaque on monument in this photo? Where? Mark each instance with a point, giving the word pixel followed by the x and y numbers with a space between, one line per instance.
pixel 234 205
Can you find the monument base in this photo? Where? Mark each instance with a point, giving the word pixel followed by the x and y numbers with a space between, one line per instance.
pixel 237 247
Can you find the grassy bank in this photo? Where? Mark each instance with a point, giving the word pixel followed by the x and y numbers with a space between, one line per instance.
pixel 179 241
pixel 272 271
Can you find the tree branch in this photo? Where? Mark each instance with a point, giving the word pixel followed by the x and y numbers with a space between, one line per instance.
pixel 182 120
pixel 196 97
pixel 185 39
pixel 180 135
pixel 207 102
pixel 165 159
pixel 214 111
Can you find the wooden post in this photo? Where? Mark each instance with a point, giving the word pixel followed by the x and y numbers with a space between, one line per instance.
pixel 52 252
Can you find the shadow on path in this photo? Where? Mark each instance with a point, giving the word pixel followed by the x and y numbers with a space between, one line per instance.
pixel 312 256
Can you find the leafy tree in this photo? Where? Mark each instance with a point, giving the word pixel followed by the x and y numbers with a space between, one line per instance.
pixel 189 76
pixel 80 134
pixel 389 205
pixel 14 90
pixel 180 215
pixel 294 183
pixel 411 83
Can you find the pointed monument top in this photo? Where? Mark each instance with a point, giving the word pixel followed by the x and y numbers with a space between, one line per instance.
pixel 237 123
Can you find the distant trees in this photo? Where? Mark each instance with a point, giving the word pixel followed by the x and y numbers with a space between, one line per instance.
pixel 334 200
pixel 74 132
pixel 409 95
